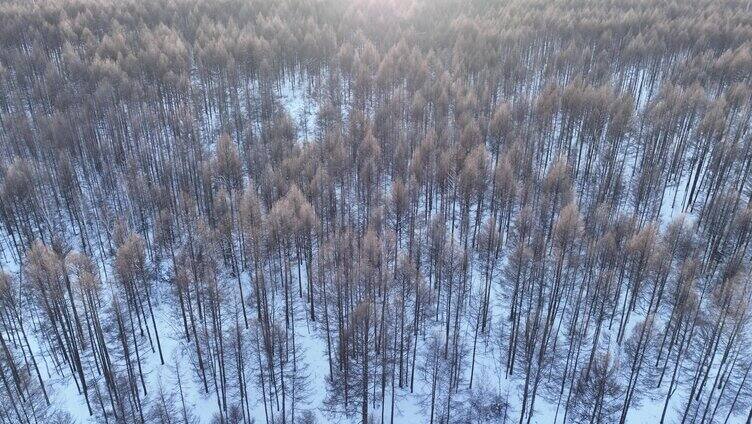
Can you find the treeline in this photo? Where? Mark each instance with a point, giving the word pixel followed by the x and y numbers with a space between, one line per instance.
pixel 555 194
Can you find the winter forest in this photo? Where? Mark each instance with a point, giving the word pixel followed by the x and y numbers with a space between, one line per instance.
pixel 375 211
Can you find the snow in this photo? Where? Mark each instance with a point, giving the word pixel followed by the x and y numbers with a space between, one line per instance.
pixel 299 101
pixel 408 406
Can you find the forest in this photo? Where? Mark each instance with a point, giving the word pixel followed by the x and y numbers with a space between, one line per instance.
pixel 375 211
